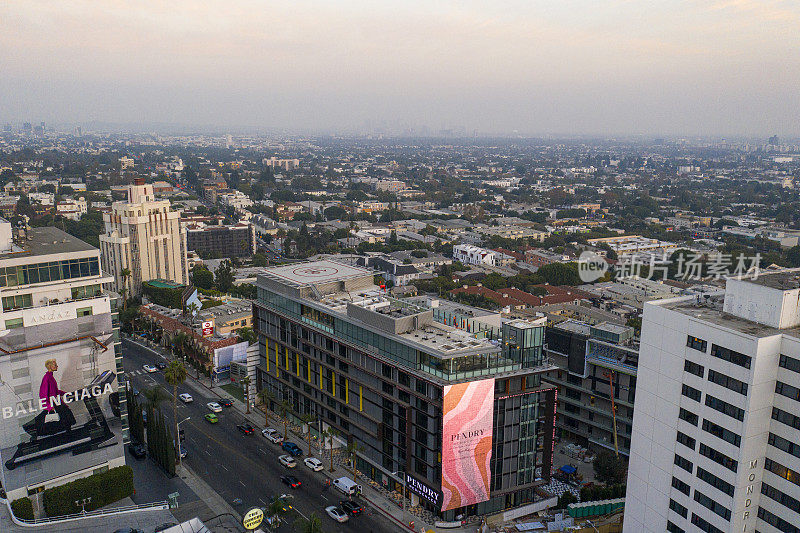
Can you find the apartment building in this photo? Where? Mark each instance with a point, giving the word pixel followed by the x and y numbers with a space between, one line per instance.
pixel 426 402
pixel 144 236
pixel 59 331
pixel 715 432
pixel 474 255
pixel 224 241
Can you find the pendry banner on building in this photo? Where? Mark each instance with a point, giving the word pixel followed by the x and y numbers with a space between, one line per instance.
pixel 467 443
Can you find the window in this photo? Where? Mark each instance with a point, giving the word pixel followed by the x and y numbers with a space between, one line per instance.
pixel 19 301
pixel 684 463
pixel 785 390
pixel 719 457
pixel 715 506
pixel 777 521
pixel 728 382
pixel 729 355
pixel 721 432
pixel 86 291
pixel 688 416
pixel 84 311
pixel 724 407
pixel 696 344
pixel 784 445
pixel 693 368
pixel 786 418
pixel 704 526
pixel 14 323
pixel 672 528
pixel 691 392
pixel 714 481
pixel 678 508
pixel 780 497
pixel 782 471
pixel 680 485
pixel 789 363
pixel 686 440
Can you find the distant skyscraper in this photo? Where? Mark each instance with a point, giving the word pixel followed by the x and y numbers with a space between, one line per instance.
pixel 774 141
pixel 26 127
pixel 145 236
pixel 716 428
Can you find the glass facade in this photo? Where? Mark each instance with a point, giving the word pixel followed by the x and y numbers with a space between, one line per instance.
pixel 49 271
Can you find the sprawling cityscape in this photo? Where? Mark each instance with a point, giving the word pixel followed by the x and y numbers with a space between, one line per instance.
pixel 324 327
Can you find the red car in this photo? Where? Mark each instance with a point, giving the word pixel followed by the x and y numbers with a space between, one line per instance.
pixel 292 481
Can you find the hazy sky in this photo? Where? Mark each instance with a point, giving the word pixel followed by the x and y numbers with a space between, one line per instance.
pixel 608 67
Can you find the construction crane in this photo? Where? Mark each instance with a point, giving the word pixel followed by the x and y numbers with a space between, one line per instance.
pixel 610 375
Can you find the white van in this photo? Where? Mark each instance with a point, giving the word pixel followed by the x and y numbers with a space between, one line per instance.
pixel 347 486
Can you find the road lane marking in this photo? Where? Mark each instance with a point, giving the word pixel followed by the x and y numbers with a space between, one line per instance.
pixel 242 483
pixel 225 467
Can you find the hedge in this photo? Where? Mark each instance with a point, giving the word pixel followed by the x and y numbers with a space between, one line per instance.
pixel 23 508
pixel 164 296
pixel 597 492
pixel 103 489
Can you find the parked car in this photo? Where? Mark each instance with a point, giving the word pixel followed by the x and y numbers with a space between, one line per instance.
pixel 287 461
pixel 186 397
pixel 337 513
pixel 214 407
pixel 211 417
pixel 291 481
pixel 225 402
pixel 138 450
pixel 292 448
pixel 272 434
pixel 247 429
pixel 149 369
pixel 161 365
pixel 351 508
pixel 313 463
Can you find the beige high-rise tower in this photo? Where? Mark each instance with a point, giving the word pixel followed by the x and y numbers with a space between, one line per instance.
pixel 143 235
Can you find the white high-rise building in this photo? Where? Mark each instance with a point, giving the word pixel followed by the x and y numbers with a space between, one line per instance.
pixel 144 236
pixel 715 445
pixel 62 414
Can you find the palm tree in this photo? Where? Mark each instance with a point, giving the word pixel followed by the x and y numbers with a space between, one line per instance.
pixel 276 508
pixel 283 411
pixel 307 420
pixel 312 524
pixel 352 452
pixel 246 385
pixel 265 396
pixel 124 274
pixel 154 397
pixel 179 342
pixel 175 374
pixel 192 309
pixel 329 433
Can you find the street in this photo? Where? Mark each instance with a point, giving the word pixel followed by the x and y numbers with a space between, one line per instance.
pixel 242 466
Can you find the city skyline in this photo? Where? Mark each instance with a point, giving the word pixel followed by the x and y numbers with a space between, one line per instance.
pixel 718 69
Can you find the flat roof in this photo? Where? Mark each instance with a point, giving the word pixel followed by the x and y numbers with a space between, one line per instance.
pixel 47 241
pixel 784 280
pixel 308 274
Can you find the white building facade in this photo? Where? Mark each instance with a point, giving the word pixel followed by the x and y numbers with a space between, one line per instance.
pixel 716 427
pixel 144 236
pixel 474 255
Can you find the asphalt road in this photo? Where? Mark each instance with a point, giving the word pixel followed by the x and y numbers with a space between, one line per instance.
pixel 244 466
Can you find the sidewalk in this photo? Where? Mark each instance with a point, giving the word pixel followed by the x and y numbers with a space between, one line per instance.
pixel 146 520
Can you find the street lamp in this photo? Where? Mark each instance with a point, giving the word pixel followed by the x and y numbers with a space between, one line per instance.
pixel 83 503
pixel 403 480
pixel 178 438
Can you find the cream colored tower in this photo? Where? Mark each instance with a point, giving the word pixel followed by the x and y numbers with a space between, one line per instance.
pixel 143 235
